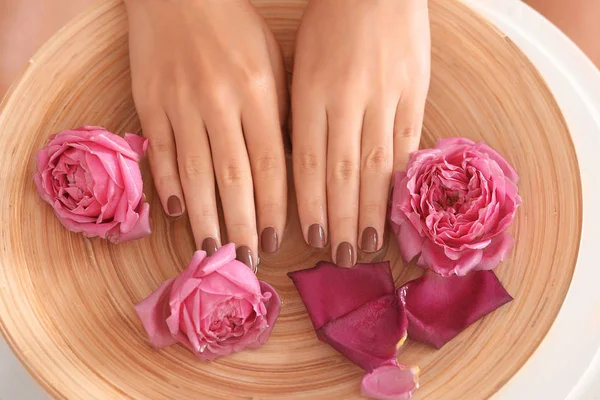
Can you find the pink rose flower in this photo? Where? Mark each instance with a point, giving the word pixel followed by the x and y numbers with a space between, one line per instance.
pixel 453 205
pixel 215 307
pixel 92 179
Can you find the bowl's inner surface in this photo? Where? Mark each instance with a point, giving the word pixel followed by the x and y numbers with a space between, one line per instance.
pixel 66 303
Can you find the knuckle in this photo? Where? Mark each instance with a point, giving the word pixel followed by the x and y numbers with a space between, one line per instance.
pixel 344 170
pixel 268 164
pixel 194 168
pixel 259 81
pixel 233 175
pixel 270 209
pixel 165 181
pixel 160 146
pixel 314 203
pixel 308 162
pixel 346 221
pixel 371 208
pixel 405 132
pixel 240 230
pixel 220 97
pixel 376 159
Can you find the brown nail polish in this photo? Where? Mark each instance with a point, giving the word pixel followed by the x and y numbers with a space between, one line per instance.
pixel 268 240
pixel 244 255
pixel 345 255
pixel 369 240
pixel 174 206
pixel 209 245
pixel 316 236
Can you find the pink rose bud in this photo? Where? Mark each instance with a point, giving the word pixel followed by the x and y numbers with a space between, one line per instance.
pixel 452 206
pixel 215 307
pixel 92 179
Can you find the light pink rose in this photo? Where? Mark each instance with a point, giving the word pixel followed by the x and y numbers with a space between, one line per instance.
pixel 217 306
pixel 453 205
pixel 92 179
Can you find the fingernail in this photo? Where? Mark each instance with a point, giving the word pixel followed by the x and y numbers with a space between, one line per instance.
pixel 209 245
pixel 244 255
pixel 369 240
pixel 268 240
pixel 345 255
pixel 174 206
pixel 316 236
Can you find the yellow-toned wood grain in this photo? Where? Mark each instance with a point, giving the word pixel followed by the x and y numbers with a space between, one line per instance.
pixel 66 302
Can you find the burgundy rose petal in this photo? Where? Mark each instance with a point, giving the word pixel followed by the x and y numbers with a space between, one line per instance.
pixel 371 335
pixel 329 291
pixel 439 308
pixel 390 382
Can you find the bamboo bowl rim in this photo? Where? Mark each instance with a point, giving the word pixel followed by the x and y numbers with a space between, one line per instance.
pixel 509 99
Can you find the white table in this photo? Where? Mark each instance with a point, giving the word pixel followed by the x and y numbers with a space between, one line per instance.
pixel 567 364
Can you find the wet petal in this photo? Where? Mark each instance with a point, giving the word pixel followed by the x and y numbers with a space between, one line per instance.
pixel 390 382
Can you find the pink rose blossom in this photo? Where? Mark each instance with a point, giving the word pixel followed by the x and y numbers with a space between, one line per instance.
pixel 92 179
pixel 215 307
pixel 453 205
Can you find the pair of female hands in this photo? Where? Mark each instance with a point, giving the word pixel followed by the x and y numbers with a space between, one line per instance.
pixel 210 89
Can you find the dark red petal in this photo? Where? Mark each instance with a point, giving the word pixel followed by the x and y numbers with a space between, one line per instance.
pixel 370 335
pixel 390 382
pixel 328 291
pixel 439 308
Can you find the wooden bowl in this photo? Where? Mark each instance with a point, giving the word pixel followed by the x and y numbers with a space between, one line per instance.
pixel 66 302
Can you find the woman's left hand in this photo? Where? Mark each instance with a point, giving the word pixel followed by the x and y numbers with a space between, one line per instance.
pixel 361 77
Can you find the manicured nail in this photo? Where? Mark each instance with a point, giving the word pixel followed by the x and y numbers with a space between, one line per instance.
pixel 174 206
pixel 209 245
pixel 345 255
pixel 244 255
pixel 369 240
pixel 316 236
pixel 268 240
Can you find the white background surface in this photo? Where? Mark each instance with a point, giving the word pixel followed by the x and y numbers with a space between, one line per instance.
pixel 560 369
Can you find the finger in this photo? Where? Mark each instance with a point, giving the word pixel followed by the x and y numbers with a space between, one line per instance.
pixel 197 180
pixel 343 160
pixel 407 126
pixel 309 141
pixel 162 155
pixel 278 68
pixel 265 148
pixel 376 171
pixel 234 179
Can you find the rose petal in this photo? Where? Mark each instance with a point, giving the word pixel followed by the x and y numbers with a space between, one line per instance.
pixel 439 308
pixel 433 257
pixel 329 291
pixel 273 309
pixel 496 252
pixel 508 170
pixel 410 242
pixel 153 312
pixel 137 144
pixel 390 382
pixel 370 335
pixel 140 229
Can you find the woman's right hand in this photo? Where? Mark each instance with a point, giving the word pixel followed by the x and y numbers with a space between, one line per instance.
pixel 209 88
